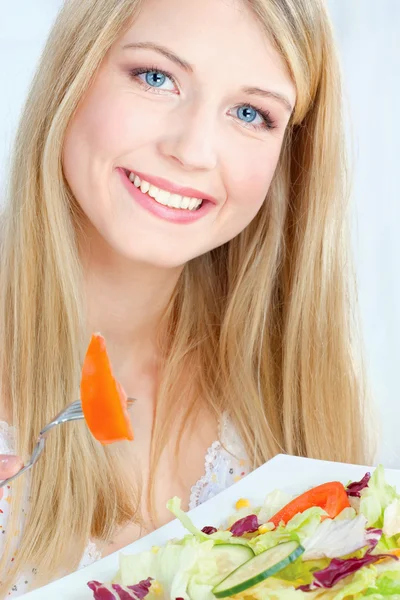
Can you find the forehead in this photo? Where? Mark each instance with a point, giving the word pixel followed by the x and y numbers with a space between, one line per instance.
pixel 218 35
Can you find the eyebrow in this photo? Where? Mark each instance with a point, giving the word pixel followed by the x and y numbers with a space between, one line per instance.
pixel 162 50
pixel 255 91
pixel 252 91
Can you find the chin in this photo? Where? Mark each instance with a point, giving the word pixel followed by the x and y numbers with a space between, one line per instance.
pixel 151 255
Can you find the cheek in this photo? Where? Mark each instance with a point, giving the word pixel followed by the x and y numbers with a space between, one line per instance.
pixel 110 124
pixel 98 131
pixel 119 123
pixel 250 177
pixel 88 145
pixel 104 132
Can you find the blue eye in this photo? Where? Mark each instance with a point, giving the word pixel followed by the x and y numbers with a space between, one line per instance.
pixel 247 114
pixel 255 118
pixel 155 78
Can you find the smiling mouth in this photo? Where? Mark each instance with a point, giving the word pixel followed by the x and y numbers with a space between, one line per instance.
pixel 163 196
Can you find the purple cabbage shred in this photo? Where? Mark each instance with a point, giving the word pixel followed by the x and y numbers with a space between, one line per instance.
pixel 248 524
pixel 208 531
pixel 373 537
pixel 114 591
pixel 354 489
pixel 341 568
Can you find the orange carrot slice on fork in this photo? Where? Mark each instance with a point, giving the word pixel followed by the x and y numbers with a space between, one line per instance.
pixel 104 402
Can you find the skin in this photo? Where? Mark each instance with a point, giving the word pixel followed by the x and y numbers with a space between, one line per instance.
pixel 191 132
pixel 188 133
pixel 9 465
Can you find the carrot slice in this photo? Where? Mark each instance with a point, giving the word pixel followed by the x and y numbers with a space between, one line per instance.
pixel 104 402
pixel 331 497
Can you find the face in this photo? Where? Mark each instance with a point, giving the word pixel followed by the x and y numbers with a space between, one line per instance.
pixel 193 110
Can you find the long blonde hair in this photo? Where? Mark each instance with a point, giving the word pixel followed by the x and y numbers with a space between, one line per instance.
pixel 264 324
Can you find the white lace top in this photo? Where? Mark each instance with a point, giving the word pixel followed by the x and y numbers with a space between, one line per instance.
pixel 225 463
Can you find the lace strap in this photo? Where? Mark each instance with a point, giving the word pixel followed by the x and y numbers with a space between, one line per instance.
pixel 91 555
pixel 230 438
pixel 7 438
pixel 225 463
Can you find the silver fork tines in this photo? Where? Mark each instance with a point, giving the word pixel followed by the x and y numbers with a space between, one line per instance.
pixel 73 412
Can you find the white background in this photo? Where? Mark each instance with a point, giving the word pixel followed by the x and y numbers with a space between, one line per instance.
pixel 368 32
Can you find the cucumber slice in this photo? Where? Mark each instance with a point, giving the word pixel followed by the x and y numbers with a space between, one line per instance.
pixel 258 568
pixel 230 556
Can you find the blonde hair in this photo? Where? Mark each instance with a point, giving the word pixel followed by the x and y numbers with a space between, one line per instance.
pixel 264 325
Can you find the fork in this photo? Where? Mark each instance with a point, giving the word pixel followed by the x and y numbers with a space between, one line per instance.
pixel 73 412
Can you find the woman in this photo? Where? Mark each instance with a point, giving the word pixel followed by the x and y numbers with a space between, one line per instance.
pixel 179 185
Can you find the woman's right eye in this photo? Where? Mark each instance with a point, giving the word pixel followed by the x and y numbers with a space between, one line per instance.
pixel 154 79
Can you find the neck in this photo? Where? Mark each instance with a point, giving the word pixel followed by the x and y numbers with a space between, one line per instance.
pixel 125 301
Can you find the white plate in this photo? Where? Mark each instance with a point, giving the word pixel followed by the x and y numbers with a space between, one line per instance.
pixel 288 473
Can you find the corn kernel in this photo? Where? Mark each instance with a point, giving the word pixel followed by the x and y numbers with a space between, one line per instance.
pixel 242 503
pixel 266 527
pixel 263 529
pixel 155 549
pixel 156 588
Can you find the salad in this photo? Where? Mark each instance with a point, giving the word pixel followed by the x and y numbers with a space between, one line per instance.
pixel 333 541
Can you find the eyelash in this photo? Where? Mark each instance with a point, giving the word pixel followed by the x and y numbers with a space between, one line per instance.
pixel 134 73
pixel 268 123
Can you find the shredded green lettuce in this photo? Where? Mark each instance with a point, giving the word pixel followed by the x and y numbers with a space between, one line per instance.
pixel 188 568
pixel 173 567
pixel 361 581
pixel 380 504
pixel 297 529
pixel 376 498
pixel 224 537
pixel 174 506
pixel 391 519
pixel 387 585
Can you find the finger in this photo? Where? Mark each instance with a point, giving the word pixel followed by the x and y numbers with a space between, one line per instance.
pixel 9 465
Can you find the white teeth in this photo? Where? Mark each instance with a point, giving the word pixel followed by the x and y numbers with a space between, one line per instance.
pixel 176 201
pixel 145 186
pixel 164 197
pixel 185 202
pixel 153 191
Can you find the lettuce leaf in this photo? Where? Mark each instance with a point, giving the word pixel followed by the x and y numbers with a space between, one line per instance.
pixel 174 506
pixel 362 581
pixel 274 589
pixel 298 529
pixel 335 538
pixel 273 503
pixel 387 585
pixel 171 567
pixel 391 519
pixel 376 498
pixel 302 573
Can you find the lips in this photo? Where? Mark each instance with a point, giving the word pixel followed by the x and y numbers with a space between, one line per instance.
pixel 164 197
pixel 173 188
pixel 185 212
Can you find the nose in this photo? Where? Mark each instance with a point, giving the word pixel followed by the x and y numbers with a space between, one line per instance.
pixel 190 138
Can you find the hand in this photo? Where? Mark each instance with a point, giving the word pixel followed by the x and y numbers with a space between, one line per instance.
pixel 9 466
